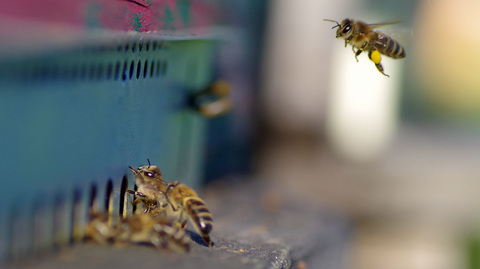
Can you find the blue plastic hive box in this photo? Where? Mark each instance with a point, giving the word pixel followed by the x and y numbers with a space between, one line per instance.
pixel 75 116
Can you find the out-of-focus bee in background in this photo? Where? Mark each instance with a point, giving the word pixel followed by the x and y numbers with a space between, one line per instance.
pixel 99 229
pixel 175 202
pixel 362 37
pixel 137 229
pixel 186 204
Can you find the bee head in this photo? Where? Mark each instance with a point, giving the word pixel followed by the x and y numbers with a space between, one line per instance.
pixel 147 173
pixel 345 28
pixel 150 171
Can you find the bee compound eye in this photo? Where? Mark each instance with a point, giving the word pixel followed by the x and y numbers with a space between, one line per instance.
pixel 347 29
pixel 149 174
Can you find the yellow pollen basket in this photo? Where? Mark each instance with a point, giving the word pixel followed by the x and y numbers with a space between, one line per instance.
pixel 376 57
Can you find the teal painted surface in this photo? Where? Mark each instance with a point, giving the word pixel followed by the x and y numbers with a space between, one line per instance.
pixel 77 116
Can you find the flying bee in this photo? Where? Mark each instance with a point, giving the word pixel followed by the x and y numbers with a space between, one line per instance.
pixel 186 204
pixel 363 38
pixel 150 189
pixel 137 229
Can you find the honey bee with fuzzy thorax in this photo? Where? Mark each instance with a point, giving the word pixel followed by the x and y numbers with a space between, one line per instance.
pixel 363 38
pixel 137 229
pixel 186 204
pixel 150 189
pixel 176 201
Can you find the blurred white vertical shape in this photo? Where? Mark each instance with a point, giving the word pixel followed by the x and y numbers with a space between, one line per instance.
pixel 297 64
pixel 362 105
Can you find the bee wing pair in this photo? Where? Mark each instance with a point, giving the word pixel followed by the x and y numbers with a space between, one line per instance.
pixel 373 25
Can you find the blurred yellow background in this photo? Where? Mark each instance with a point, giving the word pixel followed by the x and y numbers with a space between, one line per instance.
pixel 447 57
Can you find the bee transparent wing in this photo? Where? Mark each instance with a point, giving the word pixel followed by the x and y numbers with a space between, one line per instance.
pixel 375 25
pixel 401 33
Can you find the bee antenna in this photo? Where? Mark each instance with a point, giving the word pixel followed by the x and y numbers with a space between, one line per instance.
pixel 338 24
pixel 148 163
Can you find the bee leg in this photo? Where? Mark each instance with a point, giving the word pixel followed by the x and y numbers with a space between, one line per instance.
pixel 348 39
pixel 380 69
pixel 359 50
pixel 357 53
pixel 182 220
pixel 137 201
pixel 137 193
pixel 364 45
pixel 375 56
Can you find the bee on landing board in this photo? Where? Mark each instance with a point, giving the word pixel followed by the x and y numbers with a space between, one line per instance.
pixel 150 189
pixel 187 205
pixel 363 38
pixel 137 229
pixel 174 201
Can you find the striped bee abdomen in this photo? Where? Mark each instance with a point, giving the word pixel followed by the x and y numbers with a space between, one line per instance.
pixel 200 216
pixel 389 47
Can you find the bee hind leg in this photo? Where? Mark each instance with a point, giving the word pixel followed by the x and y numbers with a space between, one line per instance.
pixel 375 56
pixel 380 69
